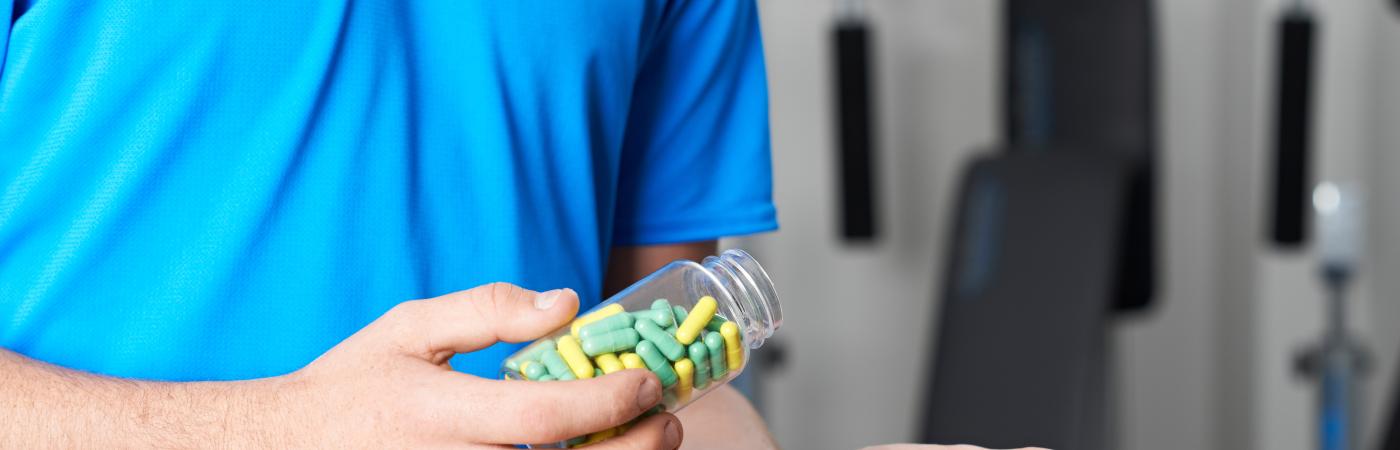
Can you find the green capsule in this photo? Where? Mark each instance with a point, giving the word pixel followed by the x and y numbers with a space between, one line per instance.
pixel 657 363
pixel 668 398
pixel 681 313
pixel 597 372
pixel 535 370
pixel 718 367
pixel 614 341
pixel 531 353
pixel 606 325
pixel 662 304
pixel 545 378
pixel 715 323
pixel 555 363
pixel 667 343
pixel 701 356
pixel 567 376
pixel 661 318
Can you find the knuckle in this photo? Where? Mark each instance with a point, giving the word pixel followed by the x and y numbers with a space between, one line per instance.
pixel 405 310
pixel 620 404
pixel 502 291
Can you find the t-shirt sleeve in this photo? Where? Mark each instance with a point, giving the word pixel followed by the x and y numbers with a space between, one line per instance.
pixel 696 163
pixel 8 16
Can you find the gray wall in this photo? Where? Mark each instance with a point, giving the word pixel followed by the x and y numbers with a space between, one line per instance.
pixel 1208 367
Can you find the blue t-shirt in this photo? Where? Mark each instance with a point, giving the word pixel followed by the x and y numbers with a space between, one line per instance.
pixel 224 189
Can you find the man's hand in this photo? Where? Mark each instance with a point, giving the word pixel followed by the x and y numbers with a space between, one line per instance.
pixel 390 385
pixel 933 447
pixel 387 386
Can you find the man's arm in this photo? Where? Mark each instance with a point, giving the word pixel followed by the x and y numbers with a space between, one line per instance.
pixel 52 406
pixel 386 386
pixel 723 419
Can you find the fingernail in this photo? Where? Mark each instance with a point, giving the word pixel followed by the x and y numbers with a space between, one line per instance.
pixel 546 300
pixel 649 394
pixel 672 435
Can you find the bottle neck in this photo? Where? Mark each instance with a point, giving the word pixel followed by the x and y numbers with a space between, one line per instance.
pixel 756 303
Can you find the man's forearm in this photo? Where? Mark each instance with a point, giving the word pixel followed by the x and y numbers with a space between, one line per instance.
pixel 42 405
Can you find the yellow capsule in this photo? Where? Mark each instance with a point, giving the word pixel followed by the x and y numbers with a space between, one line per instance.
pixel 734 355
pixel 598 437
pixel 632 361
pixel 574 357
pixel 609 310
pixel 686 370
pixel 608 362
pixel 696 320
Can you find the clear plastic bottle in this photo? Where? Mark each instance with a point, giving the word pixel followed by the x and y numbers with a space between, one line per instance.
pixel 733 283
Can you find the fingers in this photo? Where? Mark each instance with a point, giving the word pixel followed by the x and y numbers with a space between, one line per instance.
pixel 471 320
pixel 658 432
pixel 515 411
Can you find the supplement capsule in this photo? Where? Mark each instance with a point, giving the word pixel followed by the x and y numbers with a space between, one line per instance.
pixel 663 340
pixel 615 341
pixel 530 354
pixel 735 355
pixel 700 355
pixel 573 355
pixel 632 361
pixel 545 377
pixel 685 371
pixel 606 311
pixel 662 304
pixel 608 362
pixel 605 325
pixel 599 437
pixel 657 363
pixel 700 315
pixel 661 318
pixel 555 363
pixel 567 376
pixel 715 323
pixel 533 370
pixel 718 367
pixel 679 314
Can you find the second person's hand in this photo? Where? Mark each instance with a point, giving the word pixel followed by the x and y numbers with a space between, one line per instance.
pixel 390 386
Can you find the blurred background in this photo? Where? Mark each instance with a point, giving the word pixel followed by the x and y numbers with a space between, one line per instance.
pixel 904 322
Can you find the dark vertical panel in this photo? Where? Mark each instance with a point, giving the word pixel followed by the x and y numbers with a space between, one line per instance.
pixel 856 136
pixel 1292 128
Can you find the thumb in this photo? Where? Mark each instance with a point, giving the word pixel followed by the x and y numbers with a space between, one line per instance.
pixel 474 319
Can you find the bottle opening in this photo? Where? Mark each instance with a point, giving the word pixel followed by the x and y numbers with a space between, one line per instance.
pixel 759 312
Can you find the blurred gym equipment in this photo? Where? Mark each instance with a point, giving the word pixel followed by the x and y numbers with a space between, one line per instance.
pixel 1053 235
pixel 1080 76
pixel 1020 358
pixel 1338 362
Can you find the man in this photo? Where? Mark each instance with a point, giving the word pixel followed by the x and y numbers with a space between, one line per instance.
pixel 212 213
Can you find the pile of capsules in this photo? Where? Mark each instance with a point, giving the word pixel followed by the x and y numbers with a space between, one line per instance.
pixel 687 350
